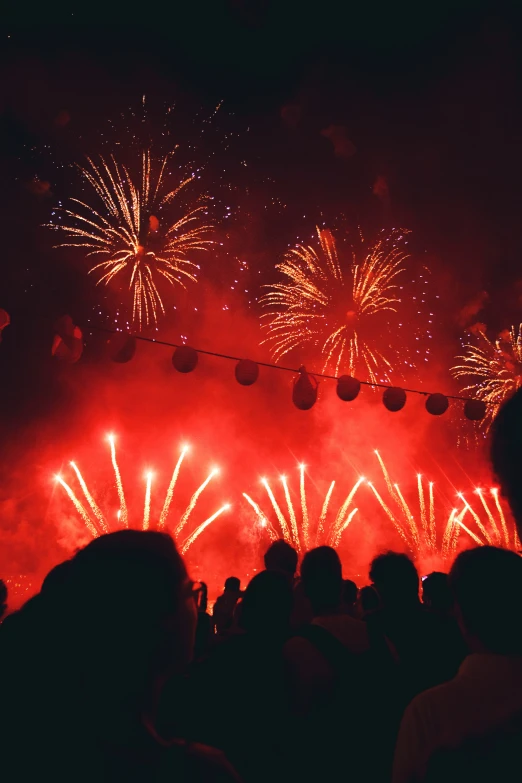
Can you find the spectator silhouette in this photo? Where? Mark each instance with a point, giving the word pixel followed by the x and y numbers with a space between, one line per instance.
pixel 436 593
pixel 204 627
pixel 87 658
pixel 240 689
pixel 349 597
pixel 422 646
pixel 282 557
pixel 476 716
pixel 326 672
pixel 506 454
pixel 225 606
pixel 3 598
pixel 368 601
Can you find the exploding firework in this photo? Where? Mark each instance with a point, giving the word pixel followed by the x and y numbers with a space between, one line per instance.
pixel 493 369
pixel 341 308
pixel 294 524
pixel 97 523
pixel 129 227
pixel 426 536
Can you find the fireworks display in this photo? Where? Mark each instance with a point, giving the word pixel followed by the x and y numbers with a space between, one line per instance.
pixel 97 522
pixel 327 527
pixel 341 308
pixel 425 535
pixel 129 228
pixel 421 526
pixel 492 370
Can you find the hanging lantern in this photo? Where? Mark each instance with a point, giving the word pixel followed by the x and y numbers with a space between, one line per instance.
pixel 64 326
pixel 246 372
pixel 348 388
pixel 68 340
pixel 5 320
pixel 304 393
pixel 121 347
pixel 394 398
pixel 185 358
pixel 475 410
pixel 437 404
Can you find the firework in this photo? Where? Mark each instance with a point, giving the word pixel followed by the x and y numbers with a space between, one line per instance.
pixel 426 531
pixel 97 523
pixel 129 228
pixel 295 527
pixel 340 308
pixel 418 528
pixel 493 370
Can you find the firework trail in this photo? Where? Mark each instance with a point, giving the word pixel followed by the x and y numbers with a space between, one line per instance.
pixel 96 522
pixel 122 228
pixel 492 370
pixel 419 530
pixel 337 307
pixel 198 531
pixel 324 511
pixel 170 492
pixel 79 508
pixel 304 507
pixel 193 500
pixel 146 510
pixel 123 517
pixel 297 531
pixel 91 501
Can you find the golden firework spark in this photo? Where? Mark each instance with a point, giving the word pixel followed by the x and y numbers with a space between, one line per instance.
pixel 296 528
pixel 332 305
pixel 97 523
pixel 420 532
pixel 493 369
pixel 127 230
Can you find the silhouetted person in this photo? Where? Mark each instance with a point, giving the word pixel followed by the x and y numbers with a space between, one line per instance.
pixel 422 646
pixel 479 712
pixel 225 606
pixel 240 688
pixel 282 557
pixel 3 598
pixel 326 672
pixel 436 593
pixel 204 627
pixel 368 601
pixel 506 454
pixel 87 658
pixel 349 598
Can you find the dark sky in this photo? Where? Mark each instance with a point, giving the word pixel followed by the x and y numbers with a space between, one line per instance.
pixel 427 97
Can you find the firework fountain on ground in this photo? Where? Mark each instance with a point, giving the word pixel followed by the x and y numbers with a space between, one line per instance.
pixel 96 521
pixel 327 530
pixel 342 308
pixel 491 369
pixel 130 228
pixel 423 533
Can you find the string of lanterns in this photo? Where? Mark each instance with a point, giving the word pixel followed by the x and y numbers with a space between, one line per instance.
pixel 121 348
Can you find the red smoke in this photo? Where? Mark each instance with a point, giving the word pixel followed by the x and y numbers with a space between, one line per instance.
pixel 249 432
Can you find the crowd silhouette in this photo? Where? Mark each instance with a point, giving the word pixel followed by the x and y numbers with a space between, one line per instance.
pixel 117 671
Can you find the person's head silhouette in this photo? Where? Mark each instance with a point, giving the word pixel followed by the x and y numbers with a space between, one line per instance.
pixel 267 604
pixel 321 574
pixel 436 593
pixel 487 585
pixel 395 578
pixel 506 454
pixel 282 557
